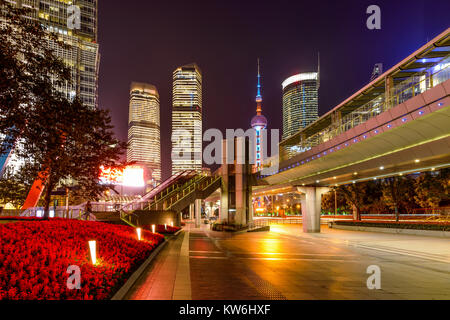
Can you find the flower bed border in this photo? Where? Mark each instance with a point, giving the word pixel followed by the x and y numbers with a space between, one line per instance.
pixel 122 292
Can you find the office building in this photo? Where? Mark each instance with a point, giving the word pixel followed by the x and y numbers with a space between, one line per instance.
pixel 187 119
pixel 144 133
pixel 300 102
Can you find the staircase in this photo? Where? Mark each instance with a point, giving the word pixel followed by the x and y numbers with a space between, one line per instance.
pixel 200 188
pixel 176 196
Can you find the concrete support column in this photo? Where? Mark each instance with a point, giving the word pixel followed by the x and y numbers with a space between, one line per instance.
pixel 311 200
pixel 223 209
pixel 191 211
pixel 198 212
pixel 223 171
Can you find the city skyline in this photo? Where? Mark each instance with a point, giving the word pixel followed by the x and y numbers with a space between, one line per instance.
pixel 285 43
pixel 219 195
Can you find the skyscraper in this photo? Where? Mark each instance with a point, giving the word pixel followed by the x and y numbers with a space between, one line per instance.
pixel 144 133
pixel 258 123
pixel 81 53
pixel 187 119
pixel 300 102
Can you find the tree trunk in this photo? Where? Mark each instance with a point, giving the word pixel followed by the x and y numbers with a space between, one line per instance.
pixel 394 197
pixel 356 213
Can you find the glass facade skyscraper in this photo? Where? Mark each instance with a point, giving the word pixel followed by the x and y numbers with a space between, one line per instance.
pixel 187 119
pixel 144 133
pixel 300 102
pixel 82 52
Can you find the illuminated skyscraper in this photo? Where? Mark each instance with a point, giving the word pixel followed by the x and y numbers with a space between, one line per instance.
pixel 300 102
pixel 144 133
pixel 82 52
pixel 187 119
pixel 258 123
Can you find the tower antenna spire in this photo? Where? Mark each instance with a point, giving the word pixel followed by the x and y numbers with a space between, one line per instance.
pixel 318 70
pixel 258 93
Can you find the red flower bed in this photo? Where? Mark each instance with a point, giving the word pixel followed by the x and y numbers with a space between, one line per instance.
pixel 35 255
pixel 416 225
pixel 163 229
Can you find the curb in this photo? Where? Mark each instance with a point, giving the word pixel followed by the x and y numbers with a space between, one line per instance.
pixel 261 229
pixel 178 232
pixel 119 295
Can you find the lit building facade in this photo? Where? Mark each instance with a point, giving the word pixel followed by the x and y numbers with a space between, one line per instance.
pixel 187 119
pixel 82 52
pixel 300 102
pixel 144 132
pixel 258 123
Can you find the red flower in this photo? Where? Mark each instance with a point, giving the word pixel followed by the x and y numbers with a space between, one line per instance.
pixel 34 257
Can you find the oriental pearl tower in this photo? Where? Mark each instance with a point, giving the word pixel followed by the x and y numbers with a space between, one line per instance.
pixel 258 123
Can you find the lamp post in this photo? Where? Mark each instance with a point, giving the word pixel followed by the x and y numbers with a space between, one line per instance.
pixel 139 232
pixel 93 250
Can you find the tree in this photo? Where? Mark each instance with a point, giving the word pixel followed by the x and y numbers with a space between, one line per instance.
pixel 354 195
pixel 72 150
pixel 328 201
pixel 431 188
pixel 398 194
pixel 29 73
pixel 12 190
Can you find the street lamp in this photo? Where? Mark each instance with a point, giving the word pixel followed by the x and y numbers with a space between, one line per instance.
pixel 139 232
pixel 93 250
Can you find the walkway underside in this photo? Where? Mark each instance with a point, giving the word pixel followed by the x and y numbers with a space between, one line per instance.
pixel 415 130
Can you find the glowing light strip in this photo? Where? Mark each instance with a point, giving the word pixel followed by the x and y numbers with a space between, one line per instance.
pixel 300 77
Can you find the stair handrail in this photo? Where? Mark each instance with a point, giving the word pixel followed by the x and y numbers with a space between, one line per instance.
pixel 177 190
pixel 155 191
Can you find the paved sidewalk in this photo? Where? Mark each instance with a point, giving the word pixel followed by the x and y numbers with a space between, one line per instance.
pixel 163 278
pixel 288 264
pixel 432 248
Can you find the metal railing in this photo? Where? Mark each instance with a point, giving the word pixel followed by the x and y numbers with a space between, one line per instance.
pixel 60 212
pixel 402 92
pixel 200 185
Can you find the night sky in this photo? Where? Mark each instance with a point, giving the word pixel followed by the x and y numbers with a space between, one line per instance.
pixel 145 41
